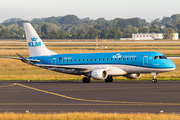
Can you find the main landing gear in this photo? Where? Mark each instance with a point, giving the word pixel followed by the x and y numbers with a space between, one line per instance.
pixel 154 80
pixel 86 80
pixel 109 79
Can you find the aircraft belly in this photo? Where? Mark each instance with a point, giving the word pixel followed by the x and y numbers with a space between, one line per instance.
pixel 150 70
pixel 113 70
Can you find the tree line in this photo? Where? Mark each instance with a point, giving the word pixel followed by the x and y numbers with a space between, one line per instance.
pixel 71 27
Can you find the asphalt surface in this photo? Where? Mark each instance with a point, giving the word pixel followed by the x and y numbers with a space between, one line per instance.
pixel 67 96
pixel 122 41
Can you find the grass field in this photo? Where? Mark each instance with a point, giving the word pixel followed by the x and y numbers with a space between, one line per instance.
pixel 168 48
pixel 88 116
pixel 16 70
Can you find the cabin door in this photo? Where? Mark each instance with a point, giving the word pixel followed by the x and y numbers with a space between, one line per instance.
pixel 53 61
pixel 145 60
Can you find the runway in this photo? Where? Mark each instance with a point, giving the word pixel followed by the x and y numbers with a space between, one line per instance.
pixel 93 41
pixel 97 96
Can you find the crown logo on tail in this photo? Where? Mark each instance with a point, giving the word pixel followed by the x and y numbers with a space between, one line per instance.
pixel 34 39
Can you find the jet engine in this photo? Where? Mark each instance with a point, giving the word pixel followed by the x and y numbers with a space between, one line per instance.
pixel 133 76
pixel 99 74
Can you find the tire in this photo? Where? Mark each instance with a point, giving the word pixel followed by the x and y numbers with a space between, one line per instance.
pixel 109 79
pixel 86 80
pixel 154 81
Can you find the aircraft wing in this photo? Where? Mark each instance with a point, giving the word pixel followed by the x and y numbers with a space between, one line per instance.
pixel 69 67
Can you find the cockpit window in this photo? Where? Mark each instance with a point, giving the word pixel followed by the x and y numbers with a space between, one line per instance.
pixel 156 57
pixel 162 57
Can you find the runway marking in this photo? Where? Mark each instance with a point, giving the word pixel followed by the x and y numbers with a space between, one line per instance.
pixel 102 101
pixel 49 104
pixel 8 85
pixel 115 88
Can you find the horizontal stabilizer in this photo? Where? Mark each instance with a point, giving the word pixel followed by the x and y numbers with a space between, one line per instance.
pixel 18 58
pixel 23 59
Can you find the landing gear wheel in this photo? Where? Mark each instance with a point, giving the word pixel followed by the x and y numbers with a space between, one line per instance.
pixel 86 80
pixel 109 79
pixel 154 81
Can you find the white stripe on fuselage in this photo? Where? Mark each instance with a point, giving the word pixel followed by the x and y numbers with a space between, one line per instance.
pixel 118 70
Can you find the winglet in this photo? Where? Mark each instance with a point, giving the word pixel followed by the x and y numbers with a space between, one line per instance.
pixel 25 60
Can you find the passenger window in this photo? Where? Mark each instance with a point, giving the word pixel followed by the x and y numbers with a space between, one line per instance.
pixel 90 60
pixel 62 60
pixel 103 59
pixel 98 59
pixel 78 59
pixel 131 58
pixel 123 59
pixel 114 58
pixel 126 58
pixel 70 60
pixel 119 59
pixel 74 59
pixel 66 60
pixel 111 59
pixel 94 59
pixel 86 59
pixel 82 59
pixel 107 59
pixel 134 58
pixel 156 57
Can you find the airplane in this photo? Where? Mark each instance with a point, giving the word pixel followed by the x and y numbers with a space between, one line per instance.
pixel 99 66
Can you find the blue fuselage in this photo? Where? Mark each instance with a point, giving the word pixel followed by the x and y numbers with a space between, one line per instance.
pixel 139 59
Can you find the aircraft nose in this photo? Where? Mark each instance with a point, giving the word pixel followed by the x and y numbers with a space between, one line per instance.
pixel 173 66
pixel 170 64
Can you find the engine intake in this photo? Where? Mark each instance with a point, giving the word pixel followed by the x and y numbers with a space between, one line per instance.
pixel 99 74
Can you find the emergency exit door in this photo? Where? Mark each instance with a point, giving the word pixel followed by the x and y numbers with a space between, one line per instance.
pixel 145 60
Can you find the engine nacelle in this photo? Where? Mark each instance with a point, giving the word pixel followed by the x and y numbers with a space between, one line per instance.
pixel 133 76
pixel 99 74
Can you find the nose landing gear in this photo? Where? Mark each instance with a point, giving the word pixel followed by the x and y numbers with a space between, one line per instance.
pixel 154 80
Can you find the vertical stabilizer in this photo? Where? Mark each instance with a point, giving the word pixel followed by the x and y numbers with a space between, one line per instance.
pixel 35 45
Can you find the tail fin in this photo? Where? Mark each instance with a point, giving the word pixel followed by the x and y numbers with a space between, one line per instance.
pixel 35 45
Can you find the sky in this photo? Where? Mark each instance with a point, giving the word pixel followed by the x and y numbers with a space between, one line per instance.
pixel 108 9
